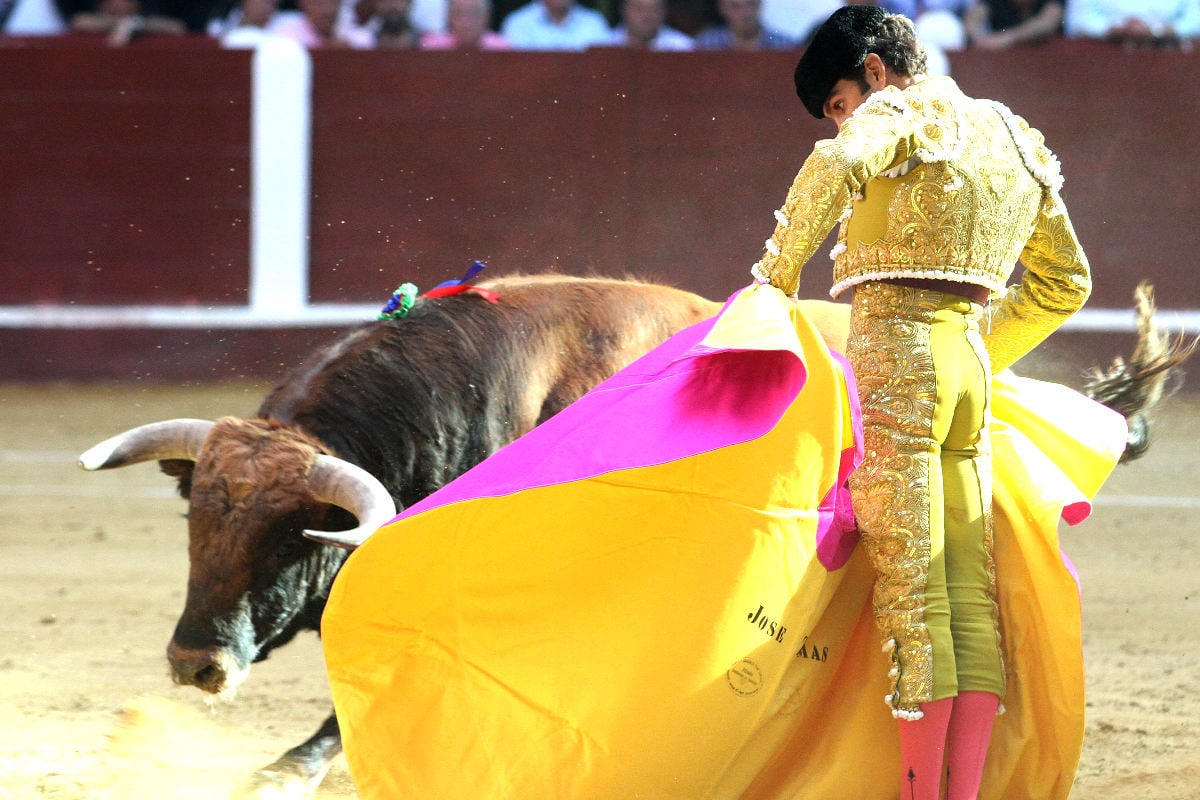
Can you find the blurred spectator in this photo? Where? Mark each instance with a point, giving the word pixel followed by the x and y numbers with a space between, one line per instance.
pixel 797 19
pixel 121 20
pixel 743 30
pixel 999 24
pixel 644 26
pixel 323 25
pixel 1135 23
pixel 685 16
pixel 555 25
pixel 32 18
pixel 429 15
pixel 248 24
pixel 195 14
pixel 422 15
pixel 466 29
pixel 390 21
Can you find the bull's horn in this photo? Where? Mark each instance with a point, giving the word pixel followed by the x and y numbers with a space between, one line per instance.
pixel 351 487
pixel 169 439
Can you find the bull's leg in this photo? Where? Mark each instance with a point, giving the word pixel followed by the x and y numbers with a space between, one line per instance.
pixel 298 772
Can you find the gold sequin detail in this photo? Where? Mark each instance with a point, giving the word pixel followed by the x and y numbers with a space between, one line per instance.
pixel 893 366
pixel 964 213
pixel 813 204
pixel 1057 284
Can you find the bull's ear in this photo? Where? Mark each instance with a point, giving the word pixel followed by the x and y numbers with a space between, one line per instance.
pixel 181 470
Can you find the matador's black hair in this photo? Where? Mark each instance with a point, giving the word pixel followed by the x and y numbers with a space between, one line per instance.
pixel 837 50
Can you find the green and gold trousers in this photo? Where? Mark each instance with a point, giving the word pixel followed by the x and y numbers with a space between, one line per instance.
pixel 922 496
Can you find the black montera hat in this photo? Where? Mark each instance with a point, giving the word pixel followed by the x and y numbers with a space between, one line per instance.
pixel 836 50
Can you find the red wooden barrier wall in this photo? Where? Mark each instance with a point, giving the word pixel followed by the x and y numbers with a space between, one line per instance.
pixel 125 177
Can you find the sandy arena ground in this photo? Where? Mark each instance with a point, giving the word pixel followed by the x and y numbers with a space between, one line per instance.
pixel 92 578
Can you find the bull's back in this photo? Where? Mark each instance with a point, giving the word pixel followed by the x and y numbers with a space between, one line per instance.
pixel 418 400
pixel 580 331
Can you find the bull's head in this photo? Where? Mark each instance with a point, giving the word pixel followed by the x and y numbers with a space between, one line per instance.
pixel 261 497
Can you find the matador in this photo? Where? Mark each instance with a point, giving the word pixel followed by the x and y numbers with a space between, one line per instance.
pixel 938 196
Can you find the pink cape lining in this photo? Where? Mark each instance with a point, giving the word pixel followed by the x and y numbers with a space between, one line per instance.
pixel 712 402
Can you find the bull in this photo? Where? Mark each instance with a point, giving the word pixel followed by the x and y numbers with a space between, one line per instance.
pixel 385 415
pixel 371 422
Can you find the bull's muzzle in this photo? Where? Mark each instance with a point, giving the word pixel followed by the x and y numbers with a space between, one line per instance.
pixel 210 669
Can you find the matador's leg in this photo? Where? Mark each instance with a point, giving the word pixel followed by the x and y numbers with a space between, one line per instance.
pixel 897 490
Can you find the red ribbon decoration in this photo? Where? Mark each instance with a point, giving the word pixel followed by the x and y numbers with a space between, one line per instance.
pixel 459 286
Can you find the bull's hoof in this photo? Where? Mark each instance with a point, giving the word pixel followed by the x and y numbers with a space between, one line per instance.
pixel 269 784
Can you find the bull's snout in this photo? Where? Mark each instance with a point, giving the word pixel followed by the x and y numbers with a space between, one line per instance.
pixel 209 669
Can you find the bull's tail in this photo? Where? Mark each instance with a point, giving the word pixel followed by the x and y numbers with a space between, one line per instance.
pixel 1133 387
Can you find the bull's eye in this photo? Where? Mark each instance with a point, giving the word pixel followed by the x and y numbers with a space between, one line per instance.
pixel 290 548
pixel 286 541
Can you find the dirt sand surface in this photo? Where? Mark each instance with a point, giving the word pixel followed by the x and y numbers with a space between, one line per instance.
pixel 92 579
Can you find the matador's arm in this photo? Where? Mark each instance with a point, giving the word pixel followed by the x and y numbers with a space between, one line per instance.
pixel 870 142
pixel 1056 284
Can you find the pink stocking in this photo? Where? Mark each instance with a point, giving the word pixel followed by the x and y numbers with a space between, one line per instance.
pixel 922 744
pixel 967 742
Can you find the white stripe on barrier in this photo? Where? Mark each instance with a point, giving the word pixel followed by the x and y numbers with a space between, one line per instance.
pixel 338 314
pixel 214 317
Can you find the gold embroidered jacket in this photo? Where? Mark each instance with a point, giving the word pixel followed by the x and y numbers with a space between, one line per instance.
pixel 930 183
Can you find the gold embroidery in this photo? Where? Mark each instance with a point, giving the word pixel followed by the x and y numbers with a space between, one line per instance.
pixel 817 196
pixel 972 232
pixel 1057 283
pixel 891 353
pixel 893 366
pixel 929 183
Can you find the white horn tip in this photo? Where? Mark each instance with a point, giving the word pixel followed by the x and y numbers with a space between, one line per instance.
pixel 96 457
pixel 351 539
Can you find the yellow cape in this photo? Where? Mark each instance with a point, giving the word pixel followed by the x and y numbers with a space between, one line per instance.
pixel 664 628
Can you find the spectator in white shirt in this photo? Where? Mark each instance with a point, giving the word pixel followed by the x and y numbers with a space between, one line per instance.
pixel 31 18
pixel 555 25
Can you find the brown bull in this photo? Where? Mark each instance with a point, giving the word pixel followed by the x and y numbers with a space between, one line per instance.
pixel 384 416
pixel 376 420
